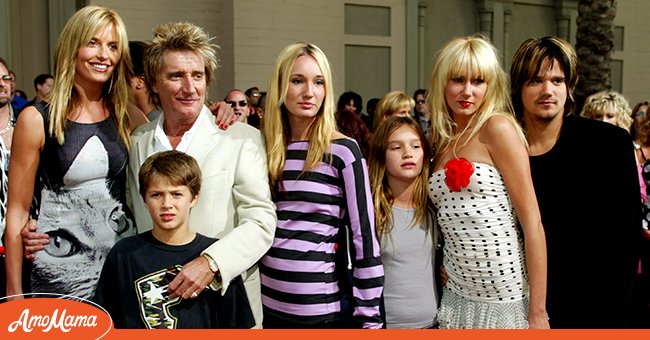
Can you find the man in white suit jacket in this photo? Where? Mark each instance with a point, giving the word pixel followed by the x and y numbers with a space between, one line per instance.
pixel 235 203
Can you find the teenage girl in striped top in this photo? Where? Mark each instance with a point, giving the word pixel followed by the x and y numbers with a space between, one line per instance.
pixel 319 181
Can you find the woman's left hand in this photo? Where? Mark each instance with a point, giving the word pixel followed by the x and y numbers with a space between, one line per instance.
pixel 225 115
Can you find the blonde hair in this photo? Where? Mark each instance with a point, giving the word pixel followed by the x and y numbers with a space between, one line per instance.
pixel 381 191
pixel 277 130
pixel 63 98
pixel 604 102
pixel 480 57
pixel 390 103
pixel 178 36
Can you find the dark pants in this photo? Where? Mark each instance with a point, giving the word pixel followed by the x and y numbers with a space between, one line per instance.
pixel 639 313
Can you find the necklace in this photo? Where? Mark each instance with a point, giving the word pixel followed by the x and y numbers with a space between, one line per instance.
pixel 6 128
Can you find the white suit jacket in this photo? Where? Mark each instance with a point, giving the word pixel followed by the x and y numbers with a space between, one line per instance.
pixel 234 204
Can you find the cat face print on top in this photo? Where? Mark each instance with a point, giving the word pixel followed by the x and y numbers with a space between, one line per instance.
pixel 83 221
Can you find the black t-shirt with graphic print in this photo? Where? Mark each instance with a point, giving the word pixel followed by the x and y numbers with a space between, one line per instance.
pixel 133 288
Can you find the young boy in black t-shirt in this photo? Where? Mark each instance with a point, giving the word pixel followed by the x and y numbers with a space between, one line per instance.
pixel 133 283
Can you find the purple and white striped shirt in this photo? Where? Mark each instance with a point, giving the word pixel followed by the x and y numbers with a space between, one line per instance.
pixel 299 281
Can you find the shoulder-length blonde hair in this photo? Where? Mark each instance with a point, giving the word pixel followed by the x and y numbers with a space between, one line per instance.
pixel 381 192
pixel 77 32
pixel 277 130
pixel 390 103
pixel 480 57
pixel 605 102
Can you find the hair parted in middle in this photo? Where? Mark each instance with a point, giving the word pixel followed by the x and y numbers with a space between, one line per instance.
pixel 175 167
pixel 77 32
pixel 382 194
pixel 277 131
pixel 527 63
pixel 474 54
pixel 178 36
pixel 346 97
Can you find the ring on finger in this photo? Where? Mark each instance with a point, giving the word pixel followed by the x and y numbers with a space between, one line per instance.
pixel 194 295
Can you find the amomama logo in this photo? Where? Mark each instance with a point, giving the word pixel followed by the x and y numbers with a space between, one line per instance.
pixel 53 318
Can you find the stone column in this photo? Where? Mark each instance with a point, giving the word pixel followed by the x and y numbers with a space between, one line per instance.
pixel 422 73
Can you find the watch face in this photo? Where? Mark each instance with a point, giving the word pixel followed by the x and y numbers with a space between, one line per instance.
pixel 211 263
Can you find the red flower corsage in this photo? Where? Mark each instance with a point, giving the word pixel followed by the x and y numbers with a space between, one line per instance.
pixel 457 173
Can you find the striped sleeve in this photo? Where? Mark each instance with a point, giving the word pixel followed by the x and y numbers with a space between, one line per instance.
pixel 368 273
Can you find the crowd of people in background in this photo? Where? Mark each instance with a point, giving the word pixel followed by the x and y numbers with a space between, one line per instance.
pixel 486 200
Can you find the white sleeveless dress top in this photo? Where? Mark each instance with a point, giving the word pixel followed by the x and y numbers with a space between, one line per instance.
pixel 483 249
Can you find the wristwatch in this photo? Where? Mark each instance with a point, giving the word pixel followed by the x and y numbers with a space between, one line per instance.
pixel 216 283
pixel 211 262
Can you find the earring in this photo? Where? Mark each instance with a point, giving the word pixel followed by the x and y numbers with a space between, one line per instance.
pixel 110 86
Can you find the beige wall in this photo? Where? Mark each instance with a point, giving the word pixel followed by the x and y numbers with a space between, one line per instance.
pixel 142 16
pixel 252 32
pixel 439 29
pixel 530 21
pixel 263 28
pixel 35 45
pixel 25 43
pixel 633 15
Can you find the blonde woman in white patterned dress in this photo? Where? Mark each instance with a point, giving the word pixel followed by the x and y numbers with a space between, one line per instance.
pixel 481 183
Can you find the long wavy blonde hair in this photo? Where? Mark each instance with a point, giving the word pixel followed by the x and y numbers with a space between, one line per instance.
pixel 63 98
pixel 277 130
pixel 455 58
pixel 381 192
